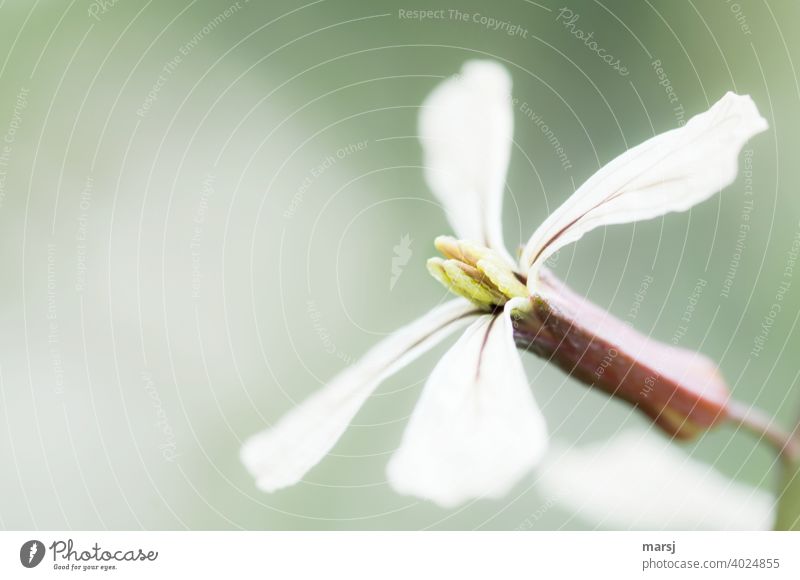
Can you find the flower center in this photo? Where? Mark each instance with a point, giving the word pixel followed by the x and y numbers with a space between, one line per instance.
pixel 475 272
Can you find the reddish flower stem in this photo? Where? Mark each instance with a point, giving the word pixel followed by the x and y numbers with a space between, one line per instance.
pixel 681 390
pixel 762 425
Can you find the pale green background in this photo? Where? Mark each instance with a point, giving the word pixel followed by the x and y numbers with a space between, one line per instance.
pixel 286 300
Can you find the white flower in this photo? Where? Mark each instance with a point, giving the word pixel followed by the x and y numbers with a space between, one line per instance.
pixel 477 429
pixel 637 480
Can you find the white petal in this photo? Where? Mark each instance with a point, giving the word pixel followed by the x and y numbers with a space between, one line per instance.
pixel 476 429
pixel 465 127
pixel 280 456
pixel 670 172
pixel 638 480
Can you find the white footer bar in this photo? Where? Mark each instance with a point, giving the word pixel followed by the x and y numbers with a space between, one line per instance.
pixel 389 555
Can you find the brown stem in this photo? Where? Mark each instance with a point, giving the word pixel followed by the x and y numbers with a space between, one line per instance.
pixel 680 390
pixel 761 424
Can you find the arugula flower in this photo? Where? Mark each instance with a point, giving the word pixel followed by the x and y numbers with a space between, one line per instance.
pixel 477 428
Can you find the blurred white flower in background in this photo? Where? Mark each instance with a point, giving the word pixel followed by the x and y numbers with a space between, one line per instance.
pixel 638 480
pixel 477 429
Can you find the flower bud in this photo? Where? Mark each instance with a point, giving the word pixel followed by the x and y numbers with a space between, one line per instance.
pixel 466 281
pixel 476 273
